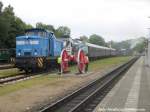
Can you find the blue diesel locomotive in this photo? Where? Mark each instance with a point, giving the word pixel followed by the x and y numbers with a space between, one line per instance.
pixel 37 49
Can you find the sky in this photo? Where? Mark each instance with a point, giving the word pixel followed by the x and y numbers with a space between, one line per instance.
pixel 112 19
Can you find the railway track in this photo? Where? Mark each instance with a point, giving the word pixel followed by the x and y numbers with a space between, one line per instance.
pixel 6 67
pixel 87 98
pixel 9 79
pixel 21 76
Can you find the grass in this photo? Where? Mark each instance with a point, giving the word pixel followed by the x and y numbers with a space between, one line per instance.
pixel 53 79
pixel 104 63
pixel 28 83
pixel 100 64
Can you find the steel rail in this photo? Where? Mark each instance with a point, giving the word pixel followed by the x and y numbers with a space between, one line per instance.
pixel 9 79
pixel 78 100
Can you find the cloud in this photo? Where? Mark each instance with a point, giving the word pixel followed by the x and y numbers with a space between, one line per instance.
pixel 113 19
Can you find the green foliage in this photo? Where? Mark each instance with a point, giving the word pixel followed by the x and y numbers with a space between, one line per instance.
pixel 96 39
pixel 4 26
pixel 63 31
pixel 28 26
pixel 137 45
pixel 140 47
pixel 84 38
pixel 121 45
pixel 1 6
pixel 44 26
pixel 10 27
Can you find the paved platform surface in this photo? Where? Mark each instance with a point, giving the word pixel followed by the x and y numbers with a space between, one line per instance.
pixel 131 93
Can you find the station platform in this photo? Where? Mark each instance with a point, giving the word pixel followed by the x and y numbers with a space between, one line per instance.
pixel 131 93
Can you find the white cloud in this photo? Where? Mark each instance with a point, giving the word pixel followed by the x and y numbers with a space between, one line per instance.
pixel 113 19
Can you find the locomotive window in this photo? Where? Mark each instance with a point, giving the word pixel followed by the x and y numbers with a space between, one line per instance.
pixel 30 33
pixel 39 33
pixel 42 34
pixel 32 42
pixel 20 42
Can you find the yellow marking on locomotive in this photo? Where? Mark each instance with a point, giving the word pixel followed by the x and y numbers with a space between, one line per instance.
pixel 40 62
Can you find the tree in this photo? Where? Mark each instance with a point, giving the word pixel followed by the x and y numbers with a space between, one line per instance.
pixel 28 26
pixel 139 47
pixel 84 38
pixel 1 6
pixel 63 31
pixel 44 26
pixel 10 27
pixel 4 28
pixel 121 45
pixel 6 18
pixel 16 26
pixel 8 12
pixel 96 39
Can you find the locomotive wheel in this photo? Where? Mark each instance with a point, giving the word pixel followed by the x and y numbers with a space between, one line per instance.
pixel 64 61
pixel 81 61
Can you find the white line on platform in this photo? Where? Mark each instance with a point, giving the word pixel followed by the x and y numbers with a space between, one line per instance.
pixel 111 94
pixel 132 99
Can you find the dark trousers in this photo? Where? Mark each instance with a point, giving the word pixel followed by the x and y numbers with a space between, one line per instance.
pixel 86 67
pixel 59 67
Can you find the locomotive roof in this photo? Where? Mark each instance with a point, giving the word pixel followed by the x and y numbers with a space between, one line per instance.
pixel 38 29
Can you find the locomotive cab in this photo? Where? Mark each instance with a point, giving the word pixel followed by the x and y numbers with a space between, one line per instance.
pixel 33 44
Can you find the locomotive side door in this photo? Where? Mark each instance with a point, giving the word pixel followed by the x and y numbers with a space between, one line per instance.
pixel 49 46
